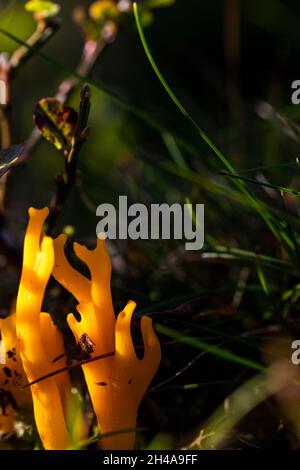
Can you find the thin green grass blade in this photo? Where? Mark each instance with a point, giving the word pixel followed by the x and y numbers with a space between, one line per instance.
pixel 176 300
pixel 242 401
pixel 215 350
pixel 283 189
pixel 267 167
pixel 250 256
pixel 218 334
pixel 211 383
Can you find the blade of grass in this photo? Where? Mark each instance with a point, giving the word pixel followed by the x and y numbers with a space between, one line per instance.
pixel 174 151
pixel 242 401
pixel 250 256
pixel 219 334
pixel 283 189
pixel 175 300
pixel 97 436
pixel 215 350
pixel 212 383
pixel 267 167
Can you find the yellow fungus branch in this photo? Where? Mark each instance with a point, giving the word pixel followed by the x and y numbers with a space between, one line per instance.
pixel 118 383
pixel 39 340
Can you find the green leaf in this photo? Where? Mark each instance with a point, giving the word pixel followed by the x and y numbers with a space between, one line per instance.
pixel 56 122
pixel 42 9
pixel 9 157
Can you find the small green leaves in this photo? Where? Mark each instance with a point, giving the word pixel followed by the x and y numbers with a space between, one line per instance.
pixel 9 157
pixel 41 9
pixel 103 10
pixel 56 122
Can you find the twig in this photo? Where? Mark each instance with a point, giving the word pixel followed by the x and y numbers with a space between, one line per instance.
pixel 181 371
pixel 66 181
pixel 44 31
pixel 70 367
pixel 91 52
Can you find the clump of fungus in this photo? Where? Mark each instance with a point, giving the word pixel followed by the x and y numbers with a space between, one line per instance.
pixel 116 384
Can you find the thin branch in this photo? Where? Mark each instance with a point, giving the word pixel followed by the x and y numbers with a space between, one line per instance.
pixel 75 365
pixel 44 31
pixel 180 372
pixel 66 181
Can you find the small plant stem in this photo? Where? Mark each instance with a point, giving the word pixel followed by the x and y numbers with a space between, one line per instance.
pixel 5 121
pixel 8 69
pixel 91 51
pixel 44 31
pixel 5 128
pixel 66 181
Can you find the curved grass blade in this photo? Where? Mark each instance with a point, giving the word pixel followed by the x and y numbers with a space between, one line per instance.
pixel 215 350
pixel 282 189
pixel 97 436
pixel 267 167
pixel 249 256
pixel 242 401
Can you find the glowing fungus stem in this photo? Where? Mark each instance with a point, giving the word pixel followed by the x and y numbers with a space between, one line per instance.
pixel 36 334
pixel 116 384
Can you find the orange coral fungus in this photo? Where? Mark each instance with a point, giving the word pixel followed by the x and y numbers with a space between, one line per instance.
pixel 39 340
pixel 116 384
